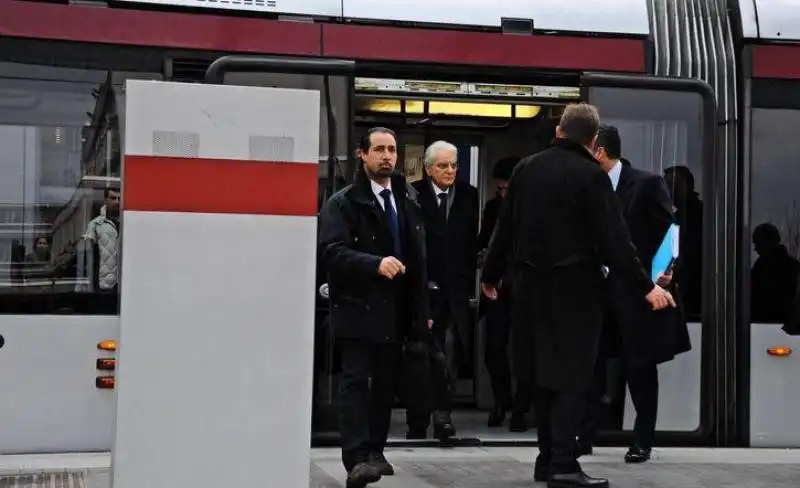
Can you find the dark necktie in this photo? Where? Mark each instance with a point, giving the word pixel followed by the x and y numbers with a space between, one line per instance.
pixel 443 206
pixel 394 225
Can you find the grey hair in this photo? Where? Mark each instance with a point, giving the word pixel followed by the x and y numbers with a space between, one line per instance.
pixel 433 150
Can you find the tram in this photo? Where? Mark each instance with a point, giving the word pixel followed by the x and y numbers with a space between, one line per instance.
pixel 705 92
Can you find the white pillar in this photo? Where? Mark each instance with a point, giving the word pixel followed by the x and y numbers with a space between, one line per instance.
pixel 217 287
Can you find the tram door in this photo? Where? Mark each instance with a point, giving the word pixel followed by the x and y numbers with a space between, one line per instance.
pixel 668 127
pixel 334 80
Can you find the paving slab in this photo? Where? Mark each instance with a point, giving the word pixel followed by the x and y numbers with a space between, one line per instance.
pixel 495 467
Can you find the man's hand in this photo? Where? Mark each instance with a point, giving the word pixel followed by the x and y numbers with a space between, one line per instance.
pixel 660 298
pixel 430 324
pixel 489 290
pixel 664 279
pixel 390 267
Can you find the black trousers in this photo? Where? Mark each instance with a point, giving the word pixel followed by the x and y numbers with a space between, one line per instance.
pixel 443 373
pixel 498 331
pixel 643 384
pixel 642 381
pixel 559 416
pixel 366 396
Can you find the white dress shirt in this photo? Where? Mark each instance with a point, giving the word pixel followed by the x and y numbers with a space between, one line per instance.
pixel 377 189
pixel 438 191
pixel 614 174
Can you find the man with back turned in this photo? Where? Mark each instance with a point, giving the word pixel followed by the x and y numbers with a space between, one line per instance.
pixel 560 223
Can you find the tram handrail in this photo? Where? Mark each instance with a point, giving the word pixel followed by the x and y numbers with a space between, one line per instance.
pixel 275 64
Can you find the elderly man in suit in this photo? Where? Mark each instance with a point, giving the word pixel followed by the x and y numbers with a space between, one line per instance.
pixel 450 213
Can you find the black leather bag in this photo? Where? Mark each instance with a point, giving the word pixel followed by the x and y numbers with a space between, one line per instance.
pixel 414 387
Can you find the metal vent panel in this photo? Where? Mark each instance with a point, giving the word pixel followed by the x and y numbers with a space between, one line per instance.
pixel 272 148
pixel 244 3
pixel 44 480
pixel 323 8
pixel 178 144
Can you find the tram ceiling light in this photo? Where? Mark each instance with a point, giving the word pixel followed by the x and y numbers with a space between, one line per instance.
pixel 108 345
pixel 463 109
pixel 105 382
pixel 780 351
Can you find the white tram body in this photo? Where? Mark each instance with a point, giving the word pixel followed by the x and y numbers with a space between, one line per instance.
pixel 54 399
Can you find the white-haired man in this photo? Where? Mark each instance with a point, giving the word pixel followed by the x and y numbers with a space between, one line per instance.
pixel 450 213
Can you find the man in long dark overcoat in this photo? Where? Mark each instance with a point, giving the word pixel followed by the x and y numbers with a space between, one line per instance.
pixel 560 222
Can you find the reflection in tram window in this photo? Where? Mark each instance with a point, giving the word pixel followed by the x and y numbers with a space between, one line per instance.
pixel 61 154
pixel 773 277
pixel 775 214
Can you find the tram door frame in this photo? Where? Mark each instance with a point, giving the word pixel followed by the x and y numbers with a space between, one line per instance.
pixel 339 172
pixel 619 94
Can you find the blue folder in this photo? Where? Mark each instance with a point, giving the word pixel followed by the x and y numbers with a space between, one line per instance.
pixel 667 251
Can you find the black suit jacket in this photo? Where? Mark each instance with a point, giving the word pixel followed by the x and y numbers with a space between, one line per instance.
pixel 452 249
pixel 646 336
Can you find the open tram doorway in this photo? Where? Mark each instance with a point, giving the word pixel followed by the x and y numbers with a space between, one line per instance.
pixel 487 123
pixel 666 122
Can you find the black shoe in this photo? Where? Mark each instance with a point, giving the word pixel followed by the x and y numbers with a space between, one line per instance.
pixel 380 463
pixel 637 455
pixel 362 475
pixel 518 423
pixel 497 416
pixel 444 431
pixel 576 480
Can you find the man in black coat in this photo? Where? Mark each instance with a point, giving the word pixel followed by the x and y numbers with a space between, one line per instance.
pixel 450 211
pixel 560 222
pixel 372 244
pixel 498 323
pixel 641 337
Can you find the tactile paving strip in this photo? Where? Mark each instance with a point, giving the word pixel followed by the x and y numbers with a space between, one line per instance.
pixel 44 480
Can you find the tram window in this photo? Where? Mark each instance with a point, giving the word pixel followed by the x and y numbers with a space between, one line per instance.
pixel 59 193
pixel 774 216
pixel 661 132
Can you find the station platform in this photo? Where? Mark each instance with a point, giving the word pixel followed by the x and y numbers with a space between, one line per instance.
pixel 469 467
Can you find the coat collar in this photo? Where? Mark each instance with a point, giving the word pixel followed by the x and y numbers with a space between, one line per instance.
pixel 361 191
pixel 572 146
pixel 626 180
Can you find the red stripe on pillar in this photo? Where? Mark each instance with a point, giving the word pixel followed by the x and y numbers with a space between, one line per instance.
pixel 167 184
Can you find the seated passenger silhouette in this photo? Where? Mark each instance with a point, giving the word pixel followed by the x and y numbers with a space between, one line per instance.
pixel 773 277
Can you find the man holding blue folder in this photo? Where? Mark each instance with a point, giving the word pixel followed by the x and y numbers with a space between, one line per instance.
pixel 641 337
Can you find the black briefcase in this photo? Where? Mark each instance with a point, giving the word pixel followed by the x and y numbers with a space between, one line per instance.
pixel 414 387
